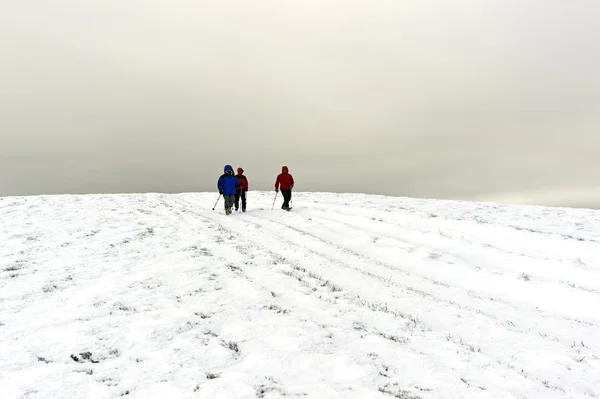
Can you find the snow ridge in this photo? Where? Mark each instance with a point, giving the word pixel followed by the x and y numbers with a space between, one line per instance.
pixel 347 296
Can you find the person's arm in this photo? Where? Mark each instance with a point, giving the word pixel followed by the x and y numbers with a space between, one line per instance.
pixel 220 185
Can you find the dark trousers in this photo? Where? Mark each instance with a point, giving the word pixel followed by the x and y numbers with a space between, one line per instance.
pixel 287 197
pixel 228 200
pixel 240 194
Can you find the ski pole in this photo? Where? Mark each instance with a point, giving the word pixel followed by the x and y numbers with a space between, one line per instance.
pixel 272 206
pixel 216 202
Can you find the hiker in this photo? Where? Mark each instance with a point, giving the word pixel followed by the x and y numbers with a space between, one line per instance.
pixel 241 190
pixel 286 182
pixel 227 185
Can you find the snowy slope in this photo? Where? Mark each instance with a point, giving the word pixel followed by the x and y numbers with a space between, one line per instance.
pixel 347 296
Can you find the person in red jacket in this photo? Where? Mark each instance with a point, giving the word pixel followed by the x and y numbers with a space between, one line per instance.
pixel 286 182
pixel 241 190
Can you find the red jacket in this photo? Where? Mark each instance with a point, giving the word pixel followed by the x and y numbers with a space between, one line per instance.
pixel 242 182
pixel 284 179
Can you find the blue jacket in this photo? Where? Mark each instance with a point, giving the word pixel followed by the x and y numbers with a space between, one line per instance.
pixel 227 183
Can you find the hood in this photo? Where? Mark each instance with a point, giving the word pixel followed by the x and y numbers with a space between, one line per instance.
pixel 284 169
pixel 240 170
pixel 227 167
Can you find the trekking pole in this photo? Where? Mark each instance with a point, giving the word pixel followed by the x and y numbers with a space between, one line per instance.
pixel 217 202
pixel 272 206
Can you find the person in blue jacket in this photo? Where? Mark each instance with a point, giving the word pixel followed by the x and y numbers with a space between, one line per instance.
pixel 227 185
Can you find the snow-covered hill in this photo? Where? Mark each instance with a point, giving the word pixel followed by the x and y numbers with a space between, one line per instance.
pixel 347 296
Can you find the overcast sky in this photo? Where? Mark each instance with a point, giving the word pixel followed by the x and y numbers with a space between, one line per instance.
pixel 468 99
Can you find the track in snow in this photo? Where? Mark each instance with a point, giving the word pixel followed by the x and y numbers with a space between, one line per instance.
pixel 345 296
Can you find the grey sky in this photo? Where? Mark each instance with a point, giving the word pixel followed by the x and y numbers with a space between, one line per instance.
pixel 495 99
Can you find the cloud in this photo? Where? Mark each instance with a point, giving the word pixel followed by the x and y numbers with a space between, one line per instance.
pixel 424 98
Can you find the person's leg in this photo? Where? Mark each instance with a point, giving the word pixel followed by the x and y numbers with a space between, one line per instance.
pixel 229 199
pixel 237 199
pixel 286 199
pixel 243 200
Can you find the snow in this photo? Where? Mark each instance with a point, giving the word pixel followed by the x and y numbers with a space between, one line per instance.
pixel 346 296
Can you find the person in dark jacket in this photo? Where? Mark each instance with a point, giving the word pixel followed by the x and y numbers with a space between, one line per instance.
pixel 286 182
pixel 227 185
pixel 241 190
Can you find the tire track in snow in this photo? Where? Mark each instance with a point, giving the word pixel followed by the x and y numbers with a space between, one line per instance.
pixel 314 285
pixel 355 299
pixel 425 294
pixel 278 258
pixel 472 293
pixel 550 330
pixel 275 256
pixel 458 256
pixel 507 326
pixel 308 278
